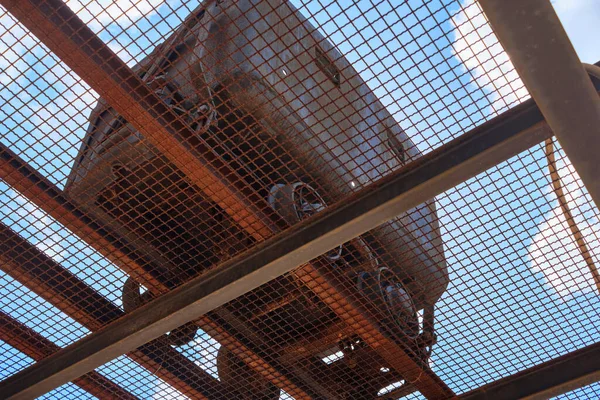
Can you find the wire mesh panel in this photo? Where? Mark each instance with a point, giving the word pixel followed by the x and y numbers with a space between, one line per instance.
pixel 192 132
pixel 587 392
pixel 522 292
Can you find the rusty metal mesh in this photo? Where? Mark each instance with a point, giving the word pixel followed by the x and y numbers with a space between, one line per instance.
pixel 278 117
pixel 588 392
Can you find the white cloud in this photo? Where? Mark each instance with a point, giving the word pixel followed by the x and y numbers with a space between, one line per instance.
pixel 104 12
pixel 58 119
pixel 477 47
pixel 39 225
pixel 205 349
pixel 51 103
pixel 580 20
pixel 15 40
pixel 203 352
pixel 553 251
pixel 166 391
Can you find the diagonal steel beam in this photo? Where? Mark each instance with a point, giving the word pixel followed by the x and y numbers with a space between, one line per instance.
pixel 255 225
pixel 49 198
pixel 63 32
pixel 546 61
pixel 457 161
pixel 546 380
pixel 43 276
pixel 70 39
pixel 37 347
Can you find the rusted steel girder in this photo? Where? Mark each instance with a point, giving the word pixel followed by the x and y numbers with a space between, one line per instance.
pixel 47 197
pixel 455 162
pixel 546 61
pixel 72 41
pixel 36 346
pixel 552 378
pixel 43 276
pixel 317 343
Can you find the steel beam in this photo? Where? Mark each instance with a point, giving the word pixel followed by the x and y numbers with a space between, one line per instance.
pixel 47 197
pixel 37 347
pixel 552 378
pixel 317 343
pixel 43 276
pixel 55 26
pixel 545 59
pixel 457 161
pixel 66 35
pixel 70 39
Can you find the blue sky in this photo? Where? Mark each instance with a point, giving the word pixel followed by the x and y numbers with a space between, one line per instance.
pixel 514 299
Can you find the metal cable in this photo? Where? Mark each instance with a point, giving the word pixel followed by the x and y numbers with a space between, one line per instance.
pixel 564 206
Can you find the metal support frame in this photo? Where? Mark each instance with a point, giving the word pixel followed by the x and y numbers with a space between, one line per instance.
pixel 43 276
pixel 545 59
pixel 37 347
pixel 75 44
pixel 256 346
pixel 442 169
pixel 72 41
pixel 47 197
pixel 543 381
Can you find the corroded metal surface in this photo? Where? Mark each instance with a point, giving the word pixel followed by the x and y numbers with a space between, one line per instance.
pixel 251 211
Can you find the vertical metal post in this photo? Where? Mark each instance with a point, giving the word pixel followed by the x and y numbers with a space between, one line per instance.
pixel 542 54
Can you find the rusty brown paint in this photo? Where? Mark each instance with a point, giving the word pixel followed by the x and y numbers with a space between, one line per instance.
pixel 332 291
pixel 256 362
pixel 76 45
pixel 36 346
pixel 47 197
pixel 65 291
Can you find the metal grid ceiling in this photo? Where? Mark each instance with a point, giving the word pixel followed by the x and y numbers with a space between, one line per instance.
pixel 279 110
